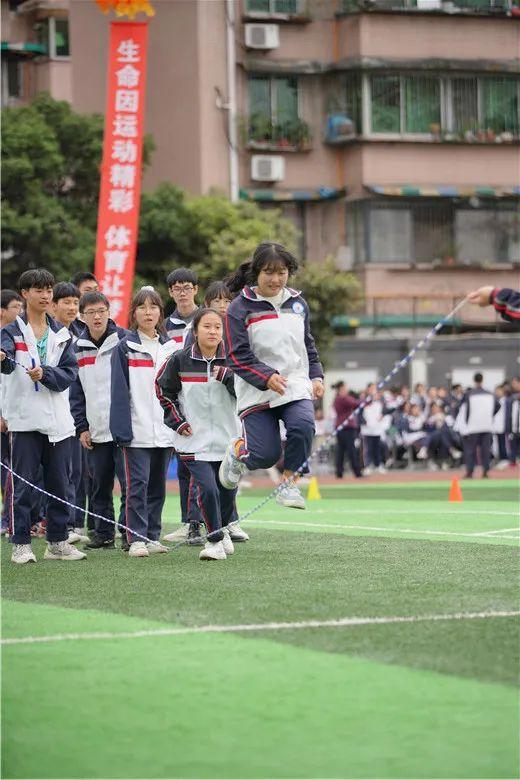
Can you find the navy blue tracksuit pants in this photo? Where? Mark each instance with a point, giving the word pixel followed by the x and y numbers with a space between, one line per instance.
pixel 216 504
pixel 261 432
pixel 346 445
pixel 76 493
pixel 29 450
pixel 474 442
pixel 105 462
pixel 189 507
pixel 145 472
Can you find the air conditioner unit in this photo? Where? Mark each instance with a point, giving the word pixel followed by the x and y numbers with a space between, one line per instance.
pixel 267 168
pixel 262 36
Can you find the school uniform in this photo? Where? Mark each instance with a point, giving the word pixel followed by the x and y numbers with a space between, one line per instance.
pixel 90 405
pixel 191 395
pixel 137 426
pixel 372 429
pixel 347 441
pixel 507 303
pixel 499 430
pixel 263 338
pixel 179 330
pixel 478 408
pixel 512 426
pixel 40 423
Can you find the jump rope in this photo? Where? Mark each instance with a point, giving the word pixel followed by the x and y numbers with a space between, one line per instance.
pixel 399 365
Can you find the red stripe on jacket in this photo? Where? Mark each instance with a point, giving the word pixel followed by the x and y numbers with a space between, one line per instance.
pixel 260 318
pixel 87 361
pixel 140 363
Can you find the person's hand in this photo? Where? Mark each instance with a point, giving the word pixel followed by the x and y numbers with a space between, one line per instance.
pixel 481 297
pixel 187 431
pixel 317 388
pixel 2 355
pixel 35 373
pixel 277 383
pixel 86 440
pixel 3 425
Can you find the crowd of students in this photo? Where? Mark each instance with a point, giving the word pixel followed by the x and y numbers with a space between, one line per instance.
pixel 84 401
pixel 440 427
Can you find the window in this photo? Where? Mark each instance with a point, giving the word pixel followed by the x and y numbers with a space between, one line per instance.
pixel 390 231
pixel 500 104
pixel 54 35
pixel 286 7
pixel 11 80
pixel 404 104
pixel 273 103
pixel 353 99
pixel 464 104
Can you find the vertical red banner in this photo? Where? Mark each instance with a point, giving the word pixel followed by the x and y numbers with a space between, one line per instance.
pixel 120 192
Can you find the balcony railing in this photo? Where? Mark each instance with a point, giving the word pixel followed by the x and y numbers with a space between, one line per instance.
pixel 486 7
pixel 260 132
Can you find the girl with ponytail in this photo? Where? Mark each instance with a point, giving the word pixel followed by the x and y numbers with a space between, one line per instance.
pixel 277 369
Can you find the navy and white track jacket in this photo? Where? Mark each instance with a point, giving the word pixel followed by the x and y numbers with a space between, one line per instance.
pixel 512 414
pixel 90 393
pixel 46 411
pixel 177 328
pixel 478 408
pixel 507 303
pixel 200 393
pixel 136 416
pixel 262 340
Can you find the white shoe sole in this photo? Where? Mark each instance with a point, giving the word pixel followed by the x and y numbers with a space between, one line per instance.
pixel 140 554
pixel 177 536
pixel 153 550
pixel 48 556
pixel 241 536
pixel 291 504
pixel 206 556
pixel 27 560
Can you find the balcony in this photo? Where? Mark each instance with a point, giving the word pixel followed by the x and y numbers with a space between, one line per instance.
pixel 260 133
pixel 454 7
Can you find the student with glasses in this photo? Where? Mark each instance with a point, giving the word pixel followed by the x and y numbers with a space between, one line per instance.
pixel 90 405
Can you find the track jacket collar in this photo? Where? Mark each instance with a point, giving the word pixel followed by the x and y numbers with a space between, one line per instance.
pixel 251 295
pixel 197 355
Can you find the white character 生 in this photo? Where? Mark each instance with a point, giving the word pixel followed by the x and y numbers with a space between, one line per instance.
pixel 128 51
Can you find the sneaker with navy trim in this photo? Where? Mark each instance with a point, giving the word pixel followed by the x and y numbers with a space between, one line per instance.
pixel 232 468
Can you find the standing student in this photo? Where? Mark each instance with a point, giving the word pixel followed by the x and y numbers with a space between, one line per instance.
pixel 347 440
pixel 478 408
pixel 85 282
pixel 512 426
pixel 196 391
pixel 372 429
pixel 65 308
pixel 11 306
pixel 90 404
pixel 136 421
pixel 183 288
pixel 218 297
pixel 38 413
pixel 278 372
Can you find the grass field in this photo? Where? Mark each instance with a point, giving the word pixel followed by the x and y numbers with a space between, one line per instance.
pixel 126 683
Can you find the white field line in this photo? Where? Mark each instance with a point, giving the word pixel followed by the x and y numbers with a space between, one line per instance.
pixel 415 512
pixel 345 527
pixel 501 531
pixel 214 629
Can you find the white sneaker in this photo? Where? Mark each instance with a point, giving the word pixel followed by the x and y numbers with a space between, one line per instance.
pixel 381 469
pixel 237 533
pixel 22 553
pixel 501 465
pixel 76 535
pixel 231 468
pixel 455 454
pixel 156 547
pixel 179 535
pixel 422 454
pixel 138 550
pixel 213 551
pixel 433 466
pixel 367 471
pixel 62 551
pixel 227 544
pixel 289 495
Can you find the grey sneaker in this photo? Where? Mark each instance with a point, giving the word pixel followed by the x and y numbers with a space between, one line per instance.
pixel 227 544
pixel 231 468
pixel 213 551
pixel 62 551
pixel 22 553
pixel 290 495
pixel 237 533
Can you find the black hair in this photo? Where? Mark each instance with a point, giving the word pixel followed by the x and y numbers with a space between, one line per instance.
pixel 265 254
pixel 217 290
pixel 39 278
pixel 143 295
pixel 338 385
pixel 91 298
pixel 83 276
pixel 65 290
pixel 7 296
pixel 478 378
pixel 199 314
pixel 182 275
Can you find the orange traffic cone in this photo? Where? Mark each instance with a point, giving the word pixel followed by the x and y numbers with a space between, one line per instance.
pixel 455 491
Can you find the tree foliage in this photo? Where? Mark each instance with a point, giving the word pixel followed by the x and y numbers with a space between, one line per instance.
pixel 51 158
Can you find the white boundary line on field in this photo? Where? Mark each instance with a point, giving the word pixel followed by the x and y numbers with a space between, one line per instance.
pixel 501 531
pixel 415 512
pixel 305 524
pixel 211 629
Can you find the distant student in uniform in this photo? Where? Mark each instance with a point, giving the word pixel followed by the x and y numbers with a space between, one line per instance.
pixel 85 281
pixel 90 404
pixel 38 412
pixel 196 391
pixel 478 409
pixel 278 373
pixel 137 421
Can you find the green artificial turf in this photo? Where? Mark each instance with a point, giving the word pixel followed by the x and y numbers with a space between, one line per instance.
pixel 428 699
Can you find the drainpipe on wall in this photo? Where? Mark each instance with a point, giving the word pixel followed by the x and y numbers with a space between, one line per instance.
pixel 232 100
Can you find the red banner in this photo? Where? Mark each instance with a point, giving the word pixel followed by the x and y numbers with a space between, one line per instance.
pixel 119 197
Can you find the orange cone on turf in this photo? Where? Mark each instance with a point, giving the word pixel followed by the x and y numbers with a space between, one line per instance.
pixel 455 491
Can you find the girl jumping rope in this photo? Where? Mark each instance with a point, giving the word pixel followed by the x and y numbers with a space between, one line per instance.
pixel 278 372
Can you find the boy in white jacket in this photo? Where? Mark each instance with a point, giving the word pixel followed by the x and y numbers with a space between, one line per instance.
pixel 38 354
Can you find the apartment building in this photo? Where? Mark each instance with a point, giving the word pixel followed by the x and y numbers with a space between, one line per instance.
pixel 35 50
pixel 387 130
